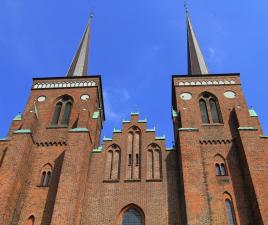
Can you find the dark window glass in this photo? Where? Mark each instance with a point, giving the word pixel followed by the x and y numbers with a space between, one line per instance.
pixel 223 170
pixel 66 114
pixel 57 114
pixel 31 220
pixel 48 178
pixel 204 111
pixel 132 217
pixel 214 111
pixel 218 170
pixel 129 159
pixel 137 159
pixel 230 213
pixel 43 177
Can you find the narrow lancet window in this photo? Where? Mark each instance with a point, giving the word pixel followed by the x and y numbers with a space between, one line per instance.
pixel 214 111
pixel 132 217
pixel 230 212
pixel 57 114
pixel 66 114
pixel 204 111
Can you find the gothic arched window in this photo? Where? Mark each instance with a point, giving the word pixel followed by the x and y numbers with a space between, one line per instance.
pixel 30 220
pixel 112 167
pixel 220 165
pixel 46 175
pixel 204 111
pixel 230 212
pixel 154 162
pixel 223 170
pixel 210 110
pixel 132 217
pixel 57 112
pixel 218 170
pixel 62 111
pixel 133 153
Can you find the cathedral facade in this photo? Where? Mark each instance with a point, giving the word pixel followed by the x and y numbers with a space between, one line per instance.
pixel 55 169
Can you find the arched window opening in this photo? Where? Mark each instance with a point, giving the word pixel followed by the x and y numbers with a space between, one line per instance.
pixel 220 164
pixel 132 217
pixel 209 107
pixel 204 111
pixel 133 153
pixel 108 170
pixel 112 168
pixel 137 159
pixel 30 220
pixel 62 111
pixel 223 170
pixel 214 111
pixel 57 114
pixel 154 164
pixel 66 114
pixel 230 212
pixel 46 176
pixel 43 177
pixel 218 170
pixel 129 159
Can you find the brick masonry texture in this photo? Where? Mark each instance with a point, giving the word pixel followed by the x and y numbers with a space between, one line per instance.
pixel 93 185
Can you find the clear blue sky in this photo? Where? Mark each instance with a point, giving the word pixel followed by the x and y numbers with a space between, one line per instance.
pixel 136 46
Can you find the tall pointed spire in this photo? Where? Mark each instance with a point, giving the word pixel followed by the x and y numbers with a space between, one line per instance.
pixel 196 61
pixel 79 66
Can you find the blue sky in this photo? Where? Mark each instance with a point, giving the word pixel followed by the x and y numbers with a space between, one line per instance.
pixel 136 46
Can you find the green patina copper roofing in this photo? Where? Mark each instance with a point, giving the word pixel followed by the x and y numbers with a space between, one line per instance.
pixel 143 121
pixel 252 113
pixel 161 138
pixel 3 139
pixel 79 129
pixel 18 117
pixel 174 113
pixel 117 131
pixel 97 150
pixel 96 115
pixel 264 136
pixel 151 130
pixel 248 128
pixel 26 131
pixel 170 149
pixel 107 139
pixel 188 129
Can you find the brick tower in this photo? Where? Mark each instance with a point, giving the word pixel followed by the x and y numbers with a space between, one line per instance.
pixel 222 151
pixel 46 154
pixel 53 169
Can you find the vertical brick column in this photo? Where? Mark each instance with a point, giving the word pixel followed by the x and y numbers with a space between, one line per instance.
pixel 15 168
pixel 71 187
pixel 195 194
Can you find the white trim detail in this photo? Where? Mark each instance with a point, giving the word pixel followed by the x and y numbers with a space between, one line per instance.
pixel 53 85
pixel 206 83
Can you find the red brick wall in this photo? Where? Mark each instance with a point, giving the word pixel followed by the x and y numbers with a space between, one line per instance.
pixel 204 192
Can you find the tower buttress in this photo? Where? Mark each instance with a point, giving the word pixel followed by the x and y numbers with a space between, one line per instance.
pixel 220 141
